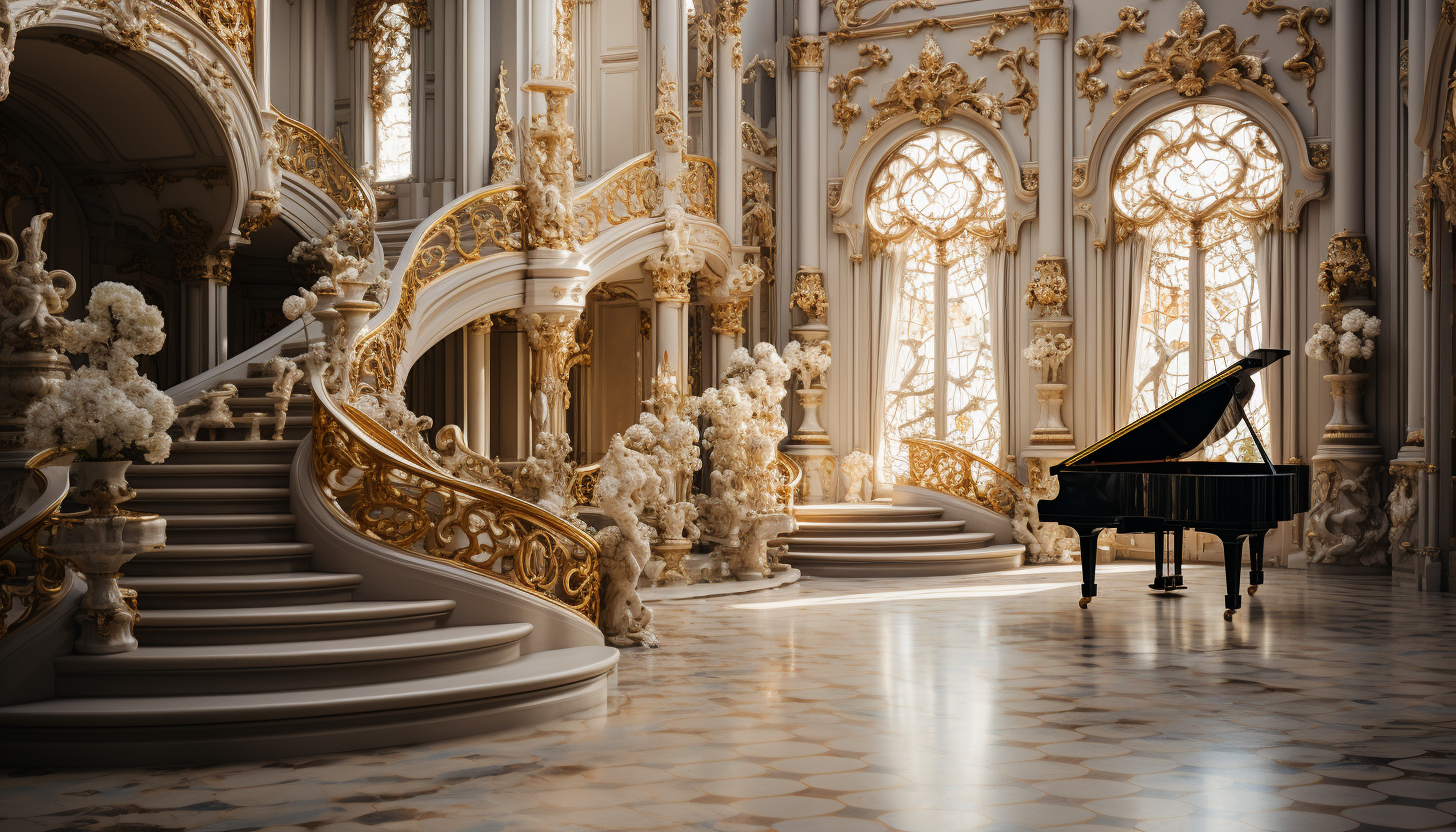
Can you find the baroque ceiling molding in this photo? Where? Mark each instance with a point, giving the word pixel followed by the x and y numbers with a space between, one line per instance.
pixel 1179 57
pixel 1097 47
pixel 1023 101
pixel 850 15
pixel 1310 60
pixel 932 89
pixel 846 112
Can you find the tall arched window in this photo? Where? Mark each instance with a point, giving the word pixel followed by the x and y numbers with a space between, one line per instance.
pixel 938 203
pixel 1199 185
pixel 391 77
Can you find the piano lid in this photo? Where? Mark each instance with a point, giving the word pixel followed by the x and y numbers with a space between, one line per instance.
pixel 1181 426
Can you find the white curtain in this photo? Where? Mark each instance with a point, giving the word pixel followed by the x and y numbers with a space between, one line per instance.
pixel 1273 262
pixel 885 273
pixel 1129 274
pixel 1004 350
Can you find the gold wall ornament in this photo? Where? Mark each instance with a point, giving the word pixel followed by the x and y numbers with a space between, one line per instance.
pixel 809 294
pixel 1001 25
pixel 1097 47
pixel 931 89
pixel 871 56
pixel 850 13
pixel 1029 178
pixel 1023 101
pixel 364 18
pixel 1049 288
pixel 953 470
pixel 1420 230
pixel 503 158
pixel 728 315
pixel 769 66
pixel 700 28
pixel 263 208
pixel 667 121
pixel 700 186
pixel 645 6
pixel 1319 155
pixel 730 28
pixel 758 210
pixel 1346 268
pixel 834 191
pixel 154 180
pixel 644 323
pixel 754 140
pixel 230 20
pixel 1179 58
pixel 1310 60
pixel 1049 17
pixel 633 191
pixel 1079 173
pixel 564 38
pixel 304 152
pixel 806 54
pixel 1448 11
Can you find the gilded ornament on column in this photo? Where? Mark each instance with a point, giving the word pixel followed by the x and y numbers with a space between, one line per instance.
pixel 1179 58
pixel 558 342
pixel 550 183
pixel 758 211
pixel 700 29
pixel 1049 17
pixel 834 192
pixel 728 316
pixel 806 54
pixel 1345 268
pixel 503 158
pixel 1049 288
pixel 1307 63
pixel 848 12
pixel 1029 178
pixel 931 89
pixel 1097 47
pixel 1420 231
pixel 871 56
pixel 730 28
pixel 809 294
pixel 667 121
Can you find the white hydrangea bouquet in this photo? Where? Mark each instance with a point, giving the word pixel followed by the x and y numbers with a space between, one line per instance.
pixel 1352 336
pixel 1046 355
pixel 106 410
pixel 808 361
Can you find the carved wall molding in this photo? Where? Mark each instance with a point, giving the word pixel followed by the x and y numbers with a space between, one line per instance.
pixel 850 13
pixel 1310 59
pixel 667 120
pixel 846 112
pixel 1023 101
pixel 1095 48
pixel 932 88
pixel 1180 57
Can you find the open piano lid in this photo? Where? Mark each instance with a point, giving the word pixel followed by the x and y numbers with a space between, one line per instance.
pixel 1179 427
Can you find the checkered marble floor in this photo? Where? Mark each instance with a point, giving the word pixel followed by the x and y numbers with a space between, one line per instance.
pixel 932 704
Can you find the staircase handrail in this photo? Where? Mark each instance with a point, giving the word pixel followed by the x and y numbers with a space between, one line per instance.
pixel 631 190
pixel 700 186
pixel 371 484
pixel 52 480
pixel 305 152
pixel 950 469
pixel 793 475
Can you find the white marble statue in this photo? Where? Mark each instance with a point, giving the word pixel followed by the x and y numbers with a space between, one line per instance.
pixel 628 483
pixel 856 467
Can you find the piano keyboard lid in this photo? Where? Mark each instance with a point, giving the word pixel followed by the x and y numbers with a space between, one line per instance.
pixel 1181 426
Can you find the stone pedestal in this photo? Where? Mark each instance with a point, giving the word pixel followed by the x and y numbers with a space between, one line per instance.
pixel 818 463
pixel 672 553
pixel 810 431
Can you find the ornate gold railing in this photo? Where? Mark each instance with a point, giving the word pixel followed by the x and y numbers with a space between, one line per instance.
pixel 370 483
pixel 44 575
pixel 700 186
pixel 632 191
pixel 951 469
pixel 584 484
pixel 487 222
pixel 230 20
pixel 793 475
pixel 306 153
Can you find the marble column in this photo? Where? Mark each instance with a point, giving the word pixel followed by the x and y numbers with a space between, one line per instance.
pixel 556 347
pixel 205 327
pixel 727 118
pixel 477 385
pixel 1347 524
pixel 1051 439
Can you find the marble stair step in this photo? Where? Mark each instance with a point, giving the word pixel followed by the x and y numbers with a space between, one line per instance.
pixel 872 563
pixel 231 500
pixel 868 512
pixel 888 542
pixel 192 730
pixel 261 404
pixel 254 668
pixel 185 475
pixel 237 528
pixel 814 528
pixel 222 558
pixel 225 451
pixel 258 385
pixel 302 622
pixel 218 591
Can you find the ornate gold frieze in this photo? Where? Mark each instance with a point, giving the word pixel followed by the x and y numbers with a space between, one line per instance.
pixel 667 120
pixel 1180 57
pixel 953 470
pixel 1310 60
pixel 1346 269
pixel 850 15
pixel 1049 288
pixel 503 158
pixel 700 186
pixel 809 294
pixel 931 89
pixel 1095 48
pixel 728 316
pixel 302 151
pixel 230 20
pixel 806 54
pixel 871 56
pixel 730 28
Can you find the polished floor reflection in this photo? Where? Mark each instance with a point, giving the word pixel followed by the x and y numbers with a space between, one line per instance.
pixel 984 702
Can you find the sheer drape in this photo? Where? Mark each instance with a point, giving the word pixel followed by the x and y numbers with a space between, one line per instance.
pixel 885 272
pixel 1002 334
pixel 1274 262
pixel 1129 272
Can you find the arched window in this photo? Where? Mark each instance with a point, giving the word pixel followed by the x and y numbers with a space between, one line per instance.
pixel 1199 185
pixel 939 204
pixel 391 77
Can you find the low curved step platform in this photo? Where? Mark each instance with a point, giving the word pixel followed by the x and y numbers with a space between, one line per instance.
pixel 880 540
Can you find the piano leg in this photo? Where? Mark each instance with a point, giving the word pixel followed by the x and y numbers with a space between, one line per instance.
pixel 1256 562
pixel 1159 582
pixel 1175 580
pixel 1233 556
pixel 1089 565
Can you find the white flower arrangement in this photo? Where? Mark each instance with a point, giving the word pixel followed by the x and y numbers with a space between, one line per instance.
pixel 1352 336
pixel 856 465
pixel 809 362
pixel 747 423
pixel 1046 355
pixel 106 410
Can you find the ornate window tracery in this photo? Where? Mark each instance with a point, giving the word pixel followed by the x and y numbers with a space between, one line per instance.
pixel 391 78
pixel 1200 185
pixel 939 200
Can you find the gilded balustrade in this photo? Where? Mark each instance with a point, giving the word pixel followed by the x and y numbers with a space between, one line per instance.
pixel 487 222
pixel 700 186
pixel 230 20
pixel 304 152
pixel 37 578
pixel 951 469
pixel 793 475
pixel 632 191
pixel 370 483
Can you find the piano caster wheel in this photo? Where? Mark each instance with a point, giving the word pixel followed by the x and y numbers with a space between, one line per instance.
pixel 1253 589
pixel 1084 602
pixel 1228 615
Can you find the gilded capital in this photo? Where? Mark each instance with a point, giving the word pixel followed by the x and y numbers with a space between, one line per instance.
pixel 1346 269
pixel 809 294
pixel 1049 17
pixel 806 54
pixel 480 326
pixel 728 316
pixel 1049 288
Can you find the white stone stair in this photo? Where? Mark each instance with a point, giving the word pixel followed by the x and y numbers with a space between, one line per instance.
pixel 863 540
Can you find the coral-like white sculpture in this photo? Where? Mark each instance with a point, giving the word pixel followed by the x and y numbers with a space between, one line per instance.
pixel 285 374
pixel 106 409
pixel 856 467
pixel 1044 542
pixel 1351 337
pixel 1345 517
pixel 808 362
pixel 668 435
pixel 388 408
pixel 216 413
pixel 628 484
pixel 547 474
pixel 31 298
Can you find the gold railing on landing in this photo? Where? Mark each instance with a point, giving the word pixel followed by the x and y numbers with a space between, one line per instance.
pixel 951 469
pixel 306 153
pixel 369 481
pixel 632 191
pixel 487 222
pixel 700 186
pixel 36 581
pixel 230 20
pixel 793 475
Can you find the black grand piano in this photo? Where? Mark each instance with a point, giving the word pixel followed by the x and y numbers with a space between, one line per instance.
pixel 1136 481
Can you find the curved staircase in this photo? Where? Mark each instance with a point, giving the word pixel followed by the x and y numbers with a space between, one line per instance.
pixel 247 651
pixel 880 540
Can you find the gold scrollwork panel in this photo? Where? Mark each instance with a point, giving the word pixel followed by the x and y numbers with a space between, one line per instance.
pixel 700 187
pixel 951 469
pixel 632 192
pixel 302 151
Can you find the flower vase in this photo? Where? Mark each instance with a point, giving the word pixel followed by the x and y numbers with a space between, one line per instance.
pixel 97 543
pixel 1347 424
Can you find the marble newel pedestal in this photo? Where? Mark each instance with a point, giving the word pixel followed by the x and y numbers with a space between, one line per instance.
pixel 809 444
